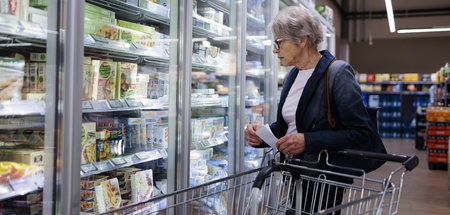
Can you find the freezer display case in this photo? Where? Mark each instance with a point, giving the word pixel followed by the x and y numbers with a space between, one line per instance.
pixel 125 104
pixel 213 87
pixel 259 72
pixel 28 85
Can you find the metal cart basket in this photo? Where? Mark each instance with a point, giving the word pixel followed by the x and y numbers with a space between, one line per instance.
pixel 287 188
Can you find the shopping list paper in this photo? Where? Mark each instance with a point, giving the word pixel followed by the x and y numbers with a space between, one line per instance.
pixel 267 136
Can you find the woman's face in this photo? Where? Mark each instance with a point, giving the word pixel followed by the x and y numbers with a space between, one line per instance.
pixel 289 52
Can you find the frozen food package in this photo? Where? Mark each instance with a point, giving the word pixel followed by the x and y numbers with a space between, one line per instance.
pixel 142 85
pixel 142 186
pixel 107 195
pixel 88 143
pixel 127 79
pixel 32 77
pixel 10 9
pixel 11 78
pixel 107 80
pixel 90 77
pixel 41 77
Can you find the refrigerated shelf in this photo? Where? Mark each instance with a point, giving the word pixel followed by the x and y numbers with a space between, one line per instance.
pixel 21 186
pixel 22 108
pixel 116 105
pixel 211 142
pixel 123 161
pixel 10 29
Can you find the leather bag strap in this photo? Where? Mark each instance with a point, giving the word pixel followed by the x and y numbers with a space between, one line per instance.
pixel 327 97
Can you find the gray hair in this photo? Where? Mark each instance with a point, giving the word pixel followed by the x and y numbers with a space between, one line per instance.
pixel 295 22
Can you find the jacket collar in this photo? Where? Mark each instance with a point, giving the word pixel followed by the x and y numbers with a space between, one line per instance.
pixel 311 87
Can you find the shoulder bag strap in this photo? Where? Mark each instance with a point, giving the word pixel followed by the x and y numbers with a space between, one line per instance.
pixel 327 97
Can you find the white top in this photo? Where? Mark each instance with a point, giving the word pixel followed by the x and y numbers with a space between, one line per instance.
pixel 292 99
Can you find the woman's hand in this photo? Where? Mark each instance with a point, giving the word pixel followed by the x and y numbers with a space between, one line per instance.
pixel 292 144
pixel 250 135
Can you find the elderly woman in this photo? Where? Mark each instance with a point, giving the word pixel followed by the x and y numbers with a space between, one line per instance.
pixel 302 125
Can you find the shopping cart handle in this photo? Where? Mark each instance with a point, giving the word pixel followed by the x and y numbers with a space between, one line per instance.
pixel 264 173
pixel 409 162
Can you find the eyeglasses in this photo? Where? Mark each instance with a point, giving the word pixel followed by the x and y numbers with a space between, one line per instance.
pixel 277 42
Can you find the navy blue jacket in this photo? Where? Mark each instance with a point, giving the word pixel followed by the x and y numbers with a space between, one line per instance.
pixel 352 120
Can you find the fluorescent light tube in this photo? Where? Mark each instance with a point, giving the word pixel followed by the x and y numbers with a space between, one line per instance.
pixel 422 30
pixel 390 14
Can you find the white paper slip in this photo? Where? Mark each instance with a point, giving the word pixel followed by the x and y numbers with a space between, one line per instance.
pixel 267 136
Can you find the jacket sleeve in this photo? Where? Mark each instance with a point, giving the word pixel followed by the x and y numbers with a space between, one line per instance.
pixel 352 131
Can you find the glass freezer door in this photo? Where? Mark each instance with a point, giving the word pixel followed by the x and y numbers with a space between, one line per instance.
pixel 28 103
pixel 258 74
pixel 213 92
pixel 128 75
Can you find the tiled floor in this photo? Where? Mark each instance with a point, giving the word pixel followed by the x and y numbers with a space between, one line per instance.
pixel 424 191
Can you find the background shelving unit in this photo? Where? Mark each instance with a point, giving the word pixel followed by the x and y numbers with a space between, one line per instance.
pixel 397 116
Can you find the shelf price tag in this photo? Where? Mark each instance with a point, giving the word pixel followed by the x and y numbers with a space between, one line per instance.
pixel 103 165
pixel 100 105
pixel 118 161
pixel 99 38
pixel 87 105
pixel 133 103
pixel 142 155
pixel 115 103
pixel 88 167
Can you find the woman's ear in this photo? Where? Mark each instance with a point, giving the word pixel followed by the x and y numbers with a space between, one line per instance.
pixel 303 41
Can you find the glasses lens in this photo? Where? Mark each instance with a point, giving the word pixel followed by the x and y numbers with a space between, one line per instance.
pixel 276 44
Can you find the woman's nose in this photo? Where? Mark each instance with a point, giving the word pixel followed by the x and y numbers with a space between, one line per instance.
pixel 275 51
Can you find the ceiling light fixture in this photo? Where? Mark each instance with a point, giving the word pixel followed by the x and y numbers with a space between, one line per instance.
pixel 423 30
pixel 390 14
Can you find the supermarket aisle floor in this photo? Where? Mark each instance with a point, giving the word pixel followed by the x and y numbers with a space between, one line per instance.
pixel 424 191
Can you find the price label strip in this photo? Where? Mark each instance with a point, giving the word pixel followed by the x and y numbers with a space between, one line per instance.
pixel 88 168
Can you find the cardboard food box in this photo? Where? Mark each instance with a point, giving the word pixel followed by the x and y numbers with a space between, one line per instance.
pixel 40 87
pixel 88 143
pixel 140 34
pixel 89 80
pixel 38 3
pixel 141 85
pixel 89 183
pixel 107 195
pixel 32 77
pixel 24 156
pixel 127 78
pixel 102 29
pixel 38 57
pixel 370 77
pixel 11 78
pixel 96 9
pixel 10 9
pixel 142 186
pixel 107 80
pixel 99 17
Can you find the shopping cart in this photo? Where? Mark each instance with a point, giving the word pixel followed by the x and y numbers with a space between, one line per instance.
pixel 286 188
